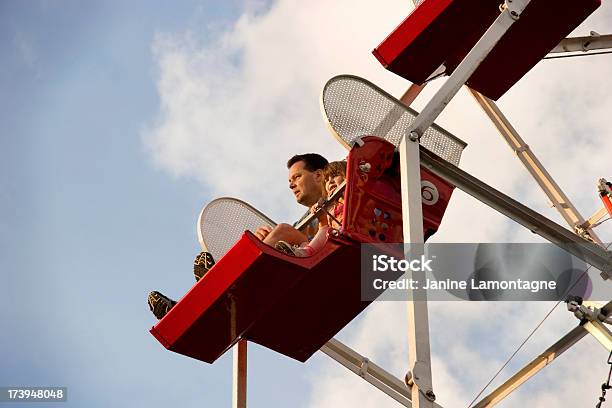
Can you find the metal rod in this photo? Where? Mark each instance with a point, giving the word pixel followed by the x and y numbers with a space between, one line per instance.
pixel 338 193
pixel 553 191
pixel 419 354
pixel 600 332
pixel 532 368
pixel 594 219
pixel 369 371
pixel 239 385
pixel 410 95
pixel 584 44
pixel 467 67
pixel 395 113
pixel 538 363
pixel 589 252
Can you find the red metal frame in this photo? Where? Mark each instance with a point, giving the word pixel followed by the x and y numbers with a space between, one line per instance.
pixel 606 202
pixel 443 31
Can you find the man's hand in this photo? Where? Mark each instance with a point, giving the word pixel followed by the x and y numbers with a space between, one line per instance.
pixel 318 205
pixel 263 231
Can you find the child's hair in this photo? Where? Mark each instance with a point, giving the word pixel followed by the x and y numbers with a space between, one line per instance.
pixel 333 169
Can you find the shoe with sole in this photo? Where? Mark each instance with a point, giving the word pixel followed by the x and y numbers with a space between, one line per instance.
pixel 285 248
pixel 160 304
pixel 202 264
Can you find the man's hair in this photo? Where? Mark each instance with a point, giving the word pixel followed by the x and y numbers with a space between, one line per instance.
pixel 335 168
pixel 312 161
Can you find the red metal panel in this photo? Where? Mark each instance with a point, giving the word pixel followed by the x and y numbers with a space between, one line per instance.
pixel 373 213
pixel 317 307
pixel 444 31
pixel 543 24
pixel 229 299
pixel 435 31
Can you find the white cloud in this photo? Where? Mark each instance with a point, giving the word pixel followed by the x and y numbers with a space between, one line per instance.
pixel 235 108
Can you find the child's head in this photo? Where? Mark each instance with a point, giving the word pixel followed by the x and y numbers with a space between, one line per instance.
pixel 334 174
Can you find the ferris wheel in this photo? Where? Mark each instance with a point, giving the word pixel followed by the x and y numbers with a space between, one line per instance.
pixel 402 169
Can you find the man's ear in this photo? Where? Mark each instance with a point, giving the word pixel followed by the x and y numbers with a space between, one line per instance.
pixel 319 175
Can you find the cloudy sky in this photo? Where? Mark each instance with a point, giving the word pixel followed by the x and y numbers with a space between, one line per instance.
pixel 120 120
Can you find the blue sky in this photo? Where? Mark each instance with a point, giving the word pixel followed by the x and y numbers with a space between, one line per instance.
pixel 120 120
pixel 90 224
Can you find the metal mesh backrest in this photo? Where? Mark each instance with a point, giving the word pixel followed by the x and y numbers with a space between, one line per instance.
pixel 355 107
pixel 223 221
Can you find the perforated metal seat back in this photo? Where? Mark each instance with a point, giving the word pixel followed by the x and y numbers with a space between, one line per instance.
pixel 355 107
pixel 223 221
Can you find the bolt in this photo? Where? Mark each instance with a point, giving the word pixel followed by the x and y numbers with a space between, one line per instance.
pixel 413 136
pixel 408 379
pixel 430 395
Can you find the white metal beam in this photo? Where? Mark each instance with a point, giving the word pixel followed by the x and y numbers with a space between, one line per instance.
pixel 466 68
pixel 584 44
pixel 418 329
pixel 239 384
pixel 555 194
pixel 418 320
pixel 543 360
pixel 532 368
pixel 595 218
pixel 600 332
pixel 589 252
pixel 369 371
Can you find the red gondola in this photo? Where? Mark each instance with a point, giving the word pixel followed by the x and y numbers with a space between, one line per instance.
pixel 443 31
pixel 295 305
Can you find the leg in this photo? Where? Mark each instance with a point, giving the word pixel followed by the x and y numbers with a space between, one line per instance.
pixel 318 241
pixel 161 304
pixel 311 248
pixel 202 264
pixel 285 232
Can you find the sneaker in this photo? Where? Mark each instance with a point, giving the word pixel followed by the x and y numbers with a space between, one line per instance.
pixel 159 304
pixel 285 248
pixel 290 250
pixel 202 264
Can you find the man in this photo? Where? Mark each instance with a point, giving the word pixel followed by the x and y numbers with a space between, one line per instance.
pixel 306 183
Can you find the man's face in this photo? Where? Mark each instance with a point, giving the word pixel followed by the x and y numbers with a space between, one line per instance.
pixel 307 186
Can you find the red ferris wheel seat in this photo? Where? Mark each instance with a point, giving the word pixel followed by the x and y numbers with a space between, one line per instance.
pixel 295 305
pixel 443 31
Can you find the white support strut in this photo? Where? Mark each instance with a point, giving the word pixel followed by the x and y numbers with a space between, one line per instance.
pixel 370 372
pixel 581 45
pixel 418 320
pixel 601 333
pixel 560 201
pixel 595 218
pixel 532 368
pixel 544 359
pixel 470 63
pixel 239 383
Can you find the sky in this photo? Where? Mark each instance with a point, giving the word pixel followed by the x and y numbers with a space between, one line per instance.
pixel 121 120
